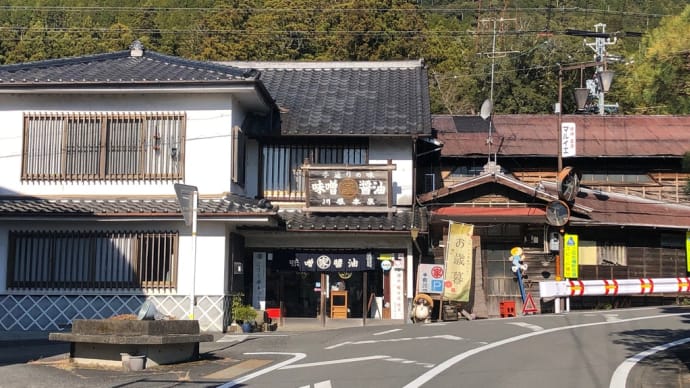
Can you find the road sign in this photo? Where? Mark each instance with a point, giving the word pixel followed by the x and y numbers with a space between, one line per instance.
pixel 529 307
pixel 185 197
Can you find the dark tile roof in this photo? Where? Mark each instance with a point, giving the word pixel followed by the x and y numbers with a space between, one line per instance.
pixel 119 68
pixel 349 98
pixel 536 135
pixel 230 205
pixel 297 220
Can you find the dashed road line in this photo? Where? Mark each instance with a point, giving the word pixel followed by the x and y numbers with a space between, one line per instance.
pixel 527 326
pixel 387 332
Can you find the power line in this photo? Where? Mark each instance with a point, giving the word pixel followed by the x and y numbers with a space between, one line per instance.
pixel 99 9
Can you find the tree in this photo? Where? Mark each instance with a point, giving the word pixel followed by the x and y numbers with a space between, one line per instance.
pixel 659 80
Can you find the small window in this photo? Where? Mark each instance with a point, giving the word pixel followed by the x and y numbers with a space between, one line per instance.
pixel 282 175
pixel 429 182
pixel 239 151
pixel 617 179
pixel 602 253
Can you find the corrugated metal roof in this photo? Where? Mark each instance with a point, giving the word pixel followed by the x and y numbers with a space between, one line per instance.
pixel 627 210
pixel 537 135
pixel 591 207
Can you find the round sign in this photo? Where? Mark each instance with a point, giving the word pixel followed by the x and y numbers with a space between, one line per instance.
pixel 386 265
pixel 568 181
pixel 557 213
pixel 323 262
pixel 437 272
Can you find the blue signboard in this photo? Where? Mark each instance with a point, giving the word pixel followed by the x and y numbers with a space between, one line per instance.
pixel 334 262
pixel 437 286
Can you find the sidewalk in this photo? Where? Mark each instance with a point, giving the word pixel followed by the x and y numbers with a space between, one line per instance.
pixel 287 325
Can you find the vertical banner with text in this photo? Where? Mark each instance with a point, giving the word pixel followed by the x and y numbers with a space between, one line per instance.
pixel 458 277
pixel 570 256
pixel 687 251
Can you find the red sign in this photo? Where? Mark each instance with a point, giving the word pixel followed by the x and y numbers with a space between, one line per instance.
pixel 437 272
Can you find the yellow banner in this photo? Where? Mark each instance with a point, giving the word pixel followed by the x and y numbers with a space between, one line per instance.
pixel 570 257
pixel 687 251
pixel 458 277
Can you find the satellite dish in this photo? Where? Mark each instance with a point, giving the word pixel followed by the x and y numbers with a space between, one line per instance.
pixel 487 107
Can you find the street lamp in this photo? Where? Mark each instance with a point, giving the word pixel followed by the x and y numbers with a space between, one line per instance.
pixel 604 78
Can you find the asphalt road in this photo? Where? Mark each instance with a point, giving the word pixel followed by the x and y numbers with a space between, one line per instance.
pixel 578 349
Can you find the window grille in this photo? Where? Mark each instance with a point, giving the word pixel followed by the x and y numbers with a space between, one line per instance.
pixel 282 172
pixel 239 151
pixel 88 146
pixel 92 260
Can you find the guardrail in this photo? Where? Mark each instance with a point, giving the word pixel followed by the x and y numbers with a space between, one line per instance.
pixel 642 286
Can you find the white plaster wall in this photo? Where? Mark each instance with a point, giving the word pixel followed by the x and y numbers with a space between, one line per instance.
pixel 208 144
pixel 211 260
pixel 399 150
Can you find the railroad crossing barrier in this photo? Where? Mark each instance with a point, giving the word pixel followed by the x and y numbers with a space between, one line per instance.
pixel 642 286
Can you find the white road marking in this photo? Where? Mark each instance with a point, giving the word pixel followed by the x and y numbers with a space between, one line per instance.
pixel 440 368
pixel 364 342
pixel 620 376
pixel 322 384
pixel 611 317
pixel 233 338
pixel 242 337
pixel 333 362
pixel 295 357
pixel 527 326
pixel 387 332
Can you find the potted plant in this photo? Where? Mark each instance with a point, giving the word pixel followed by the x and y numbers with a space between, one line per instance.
pixel 242 313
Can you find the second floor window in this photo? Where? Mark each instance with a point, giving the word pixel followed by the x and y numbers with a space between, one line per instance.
pixel 282 173
pixel 88 146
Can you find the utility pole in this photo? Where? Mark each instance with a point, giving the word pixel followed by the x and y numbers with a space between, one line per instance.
pixel 600 55
pixel 493 55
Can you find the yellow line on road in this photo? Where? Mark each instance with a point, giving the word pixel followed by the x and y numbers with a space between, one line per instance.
pixel 238 369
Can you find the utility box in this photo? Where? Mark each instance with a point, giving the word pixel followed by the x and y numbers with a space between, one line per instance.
pixel 450 312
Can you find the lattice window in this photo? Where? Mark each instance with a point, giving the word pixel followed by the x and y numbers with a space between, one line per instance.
pixel 282 173
pixel 88 146
pixel 92 260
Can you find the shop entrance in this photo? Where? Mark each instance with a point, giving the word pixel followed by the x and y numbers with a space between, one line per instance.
pixel 300 292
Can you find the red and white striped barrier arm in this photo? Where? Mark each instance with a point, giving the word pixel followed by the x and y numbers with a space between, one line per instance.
pixel 612 287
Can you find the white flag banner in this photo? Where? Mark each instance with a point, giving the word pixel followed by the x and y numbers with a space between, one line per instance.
pixel 568 140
